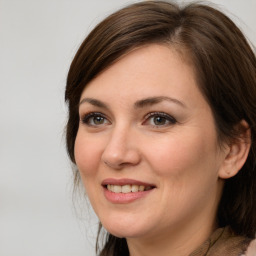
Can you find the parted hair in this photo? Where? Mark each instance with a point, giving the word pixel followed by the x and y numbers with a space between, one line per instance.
pixel 225 68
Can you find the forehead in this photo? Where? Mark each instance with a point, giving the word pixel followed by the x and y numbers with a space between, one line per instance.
pixel 148 71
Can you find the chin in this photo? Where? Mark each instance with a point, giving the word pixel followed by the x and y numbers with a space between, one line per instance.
pixel 125 229
pixel 125 233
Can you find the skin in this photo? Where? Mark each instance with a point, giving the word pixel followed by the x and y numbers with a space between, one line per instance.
pixel 182 159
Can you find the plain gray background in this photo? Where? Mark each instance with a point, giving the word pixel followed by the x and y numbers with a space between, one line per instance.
pixel 38 39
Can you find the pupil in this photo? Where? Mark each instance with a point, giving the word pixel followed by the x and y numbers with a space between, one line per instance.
pixel 98 120
pixel 159 120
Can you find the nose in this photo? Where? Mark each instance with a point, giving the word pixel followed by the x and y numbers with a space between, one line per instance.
pixel 121 149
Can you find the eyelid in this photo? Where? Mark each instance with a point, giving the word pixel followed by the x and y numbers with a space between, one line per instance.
pixel 168 117
pixel 85 117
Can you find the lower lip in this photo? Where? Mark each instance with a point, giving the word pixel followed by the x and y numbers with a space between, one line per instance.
pixel 124 198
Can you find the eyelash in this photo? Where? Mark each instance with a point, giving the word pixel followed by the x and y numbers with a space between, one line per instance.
pixel 171 120
pixel 86 119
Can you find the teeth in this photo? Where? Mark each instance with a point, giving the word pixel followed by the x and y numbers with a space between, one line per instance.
pixel 135 188
pixel 127 188
pixel 141 188
pixel 117 189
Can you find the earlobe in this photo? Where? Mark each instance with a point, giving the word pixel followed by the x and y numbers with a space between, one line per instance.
pixel 236 152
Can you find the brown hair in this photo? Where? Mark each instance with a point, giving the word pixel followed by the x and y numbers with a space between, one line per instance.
pixel 225 66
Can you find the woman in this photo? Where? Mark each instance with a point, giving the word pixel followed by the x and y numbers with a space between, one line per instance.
pixel 161 127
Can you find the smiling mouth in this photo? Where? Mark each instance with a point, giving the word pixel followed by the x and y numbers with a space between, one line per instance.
pixel 127 188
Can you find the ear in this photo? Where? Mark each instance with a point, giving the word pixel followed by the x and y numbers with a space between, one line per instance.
pixel 236 152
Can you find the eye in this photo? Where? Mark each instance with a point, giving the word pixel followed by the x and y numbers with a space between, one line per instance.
pixel 94 119
pixel 159 119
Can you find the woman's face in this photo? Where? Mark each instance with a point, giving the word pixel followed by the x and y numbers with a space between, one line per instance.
pixel 147 147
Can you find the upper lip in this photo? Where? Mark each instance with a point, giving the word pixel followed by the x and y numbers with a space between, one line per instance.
pixel 122 182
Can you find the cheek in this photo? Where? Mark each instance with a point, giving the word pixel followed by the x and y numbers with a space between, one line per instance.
pixel 187 170
pixel 183 155
pixel 87 155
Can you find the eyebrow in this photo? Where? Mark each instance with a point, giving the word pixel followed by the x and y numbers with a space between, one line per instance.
pixel 154 100
pixel 94 102
pixel 138 104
